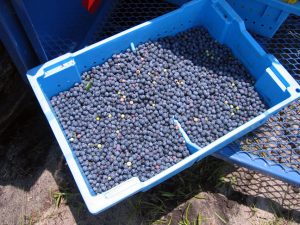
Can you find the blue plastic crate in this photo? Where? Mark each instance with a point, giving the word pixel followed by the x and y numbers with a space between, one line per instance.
pixel 54 27
pixel 280 159
pixel 33 36
pixel 264 17
pixel 273 83
pixel 15 40
pixel 66 26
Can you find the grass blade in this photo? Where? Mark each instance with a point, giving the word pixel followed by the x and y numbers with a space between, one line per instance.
pixel 220 218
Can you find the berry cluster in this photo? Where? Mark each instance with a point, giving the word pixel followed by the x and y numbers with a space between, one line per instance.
pixel 119 118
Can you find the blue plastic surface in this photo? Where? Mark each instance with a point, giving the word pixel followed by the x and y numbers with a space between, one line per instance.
pixel 264 17
pixel 66 26
pixel 124 14
pixel 273 83
pixel 54 27
pixel 259 164
pixel 15 40
pixel 274 148
pixel 33 35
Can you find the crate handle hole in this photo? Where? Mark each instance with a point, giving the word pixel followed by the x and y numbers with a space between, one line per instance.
pixel 298 90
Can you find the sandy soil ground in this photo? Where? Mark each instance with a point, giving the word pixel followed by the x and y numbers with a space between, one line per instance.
pixel 48 196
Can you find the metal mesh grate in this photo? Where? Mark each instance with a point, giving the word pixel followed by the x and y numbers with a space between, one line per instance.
pixel 279 139
pixel 118 16
pixel 55 46
pixel 285 45
pixel 128 13
pixel 258 186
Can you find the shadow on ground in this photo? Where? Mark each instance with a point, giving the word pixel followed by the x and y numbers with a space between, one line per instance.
pixel 212 176
pixel 24 133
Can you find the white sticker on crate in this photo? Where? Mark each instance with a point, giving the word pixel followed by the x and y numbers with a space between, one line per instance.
pixel 60 68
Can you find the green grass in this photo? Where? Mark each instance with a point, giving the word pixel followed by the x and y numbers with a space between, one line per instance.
pixel 253 210
pixel 185 220
pixel 159 201
pixel 162 222
pixel 221 218
pixel 60 196
pixel 26 220
pixel 200 219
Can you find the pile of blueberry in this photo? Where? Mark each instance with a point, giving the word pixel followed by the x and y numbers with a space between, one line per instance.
pixel 119 118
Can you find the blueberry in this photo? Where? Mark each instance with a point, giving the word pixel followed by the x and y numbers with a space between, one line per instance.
pixel 121 127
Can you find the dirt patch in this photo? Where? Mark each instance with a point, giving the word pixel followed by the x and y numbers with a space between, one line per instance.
pixel 216 209
pixel 197 203
pixel 23 148
pixel 25 198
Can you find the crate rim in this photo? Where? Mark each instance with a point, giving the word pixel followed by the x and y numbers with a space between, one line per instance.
pixel 259 164
pixel 91 201
pixel 284 6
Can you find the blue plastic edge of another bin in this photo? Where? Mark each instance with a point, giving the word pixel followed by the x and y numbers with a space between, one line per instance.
pixel 70 17
pixel 61 25
pixel 260 165
pixel 264 17
pixel 15 40
pixel 284 6
pixel 274 83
